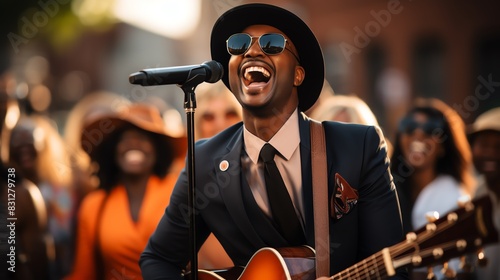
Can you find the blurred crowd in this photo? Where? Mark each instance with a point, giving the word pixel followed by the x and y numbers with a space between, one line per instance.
pixel 87 199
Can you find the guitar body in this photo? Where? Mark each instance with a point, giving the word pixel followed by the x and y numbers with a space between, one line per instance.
pixel 271 264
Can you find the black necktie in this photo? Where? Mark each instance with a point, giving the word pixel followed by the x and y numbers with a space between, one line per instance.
pixel 281 205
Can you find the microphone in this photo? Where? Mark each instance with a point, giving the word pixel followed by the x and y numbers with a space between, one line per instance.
pixel 208 71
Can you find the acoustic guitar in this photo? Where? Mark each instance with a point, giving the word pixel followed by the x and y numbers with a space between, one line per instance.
pixel 459 232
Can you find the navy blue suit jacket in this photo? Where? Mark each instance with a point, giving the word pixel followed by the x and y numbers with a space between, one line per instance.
pixel 226 207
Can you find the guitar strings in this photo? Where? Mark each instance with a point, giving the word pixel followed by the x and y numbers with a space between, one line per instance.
pixel 371 267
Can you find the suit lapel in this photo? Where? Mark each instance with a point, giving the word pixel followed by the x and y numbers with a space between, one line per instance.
pixel 262 224
pixel 229 182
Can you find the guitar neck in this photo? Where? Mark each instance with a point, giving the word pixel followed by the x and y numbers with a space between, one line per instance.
pixel 457 233
pixel 377 266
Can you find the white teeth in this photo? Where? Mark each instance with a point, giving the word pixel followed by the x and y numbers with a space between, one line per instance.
pixel 417 146
pixel 258 69
pixel 134 156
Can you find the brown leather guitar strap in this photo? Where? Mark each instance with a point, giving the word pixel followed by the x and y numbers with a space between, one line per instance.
pixel 320 199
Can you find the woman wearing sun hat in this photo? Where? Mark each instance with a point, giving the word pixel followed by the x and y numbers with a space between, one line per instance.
pixel 134 152
pixel 274 66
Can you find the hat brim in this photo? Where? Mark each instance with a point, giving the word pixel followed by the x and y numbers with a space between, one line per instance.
pixel 308 48
pixel 98 131
pixel 487 121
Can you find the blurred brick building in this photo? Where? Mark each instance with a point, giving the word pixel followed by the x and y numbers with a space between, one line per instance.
pixel 390 51
pixel 385 51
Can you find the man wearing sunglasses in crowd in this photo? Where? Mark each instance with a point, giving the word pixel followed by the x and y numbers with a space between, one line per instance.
pixel 274 66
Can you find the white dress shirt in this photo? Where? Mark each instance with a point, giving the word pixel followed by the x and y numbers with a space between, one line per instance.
pixel 287 142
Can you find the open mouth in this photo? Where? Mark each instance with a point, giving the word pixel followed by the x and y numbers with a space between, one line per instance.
pixel 134 157
pixel 256 75
pixel 418 152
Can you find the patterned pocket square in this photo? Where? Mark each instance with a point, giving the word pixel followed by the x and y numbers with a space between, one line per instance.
pixel 344 198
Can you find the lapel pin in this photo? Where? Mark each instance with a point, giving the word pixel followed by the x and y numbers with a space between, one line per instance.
pixel 224 165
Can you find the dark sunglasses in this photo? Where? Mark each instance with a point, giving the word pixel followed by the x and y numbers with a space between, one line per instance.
pixel 269 43
pixel 409 125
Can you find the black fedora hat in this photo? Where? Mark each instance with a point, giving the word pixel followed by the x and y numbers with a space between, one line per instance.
pixel 311 57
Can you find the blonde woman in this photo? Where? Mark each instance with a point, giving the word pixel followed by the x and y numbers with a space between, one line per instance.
pixel 346 108
pixel 217 109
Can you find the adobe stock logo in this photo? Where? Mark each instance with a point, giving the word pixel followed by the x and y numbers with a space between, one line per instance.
pixel 483 91
pixel 372 29
pixel 30 27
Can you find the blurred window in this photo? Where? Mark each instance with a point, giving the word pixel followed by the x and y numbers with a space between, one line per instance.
pixel 487 72
pixel 337 67
pixel 376 60
pixel 428 65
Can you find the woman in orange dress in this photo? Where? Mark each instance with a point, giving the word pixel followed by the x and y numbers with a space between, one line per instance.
pixel 134 152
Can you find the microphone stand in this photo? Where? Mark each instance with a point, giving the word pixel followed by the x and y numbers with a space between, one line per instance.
pixel 189 107
pixel 195 77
